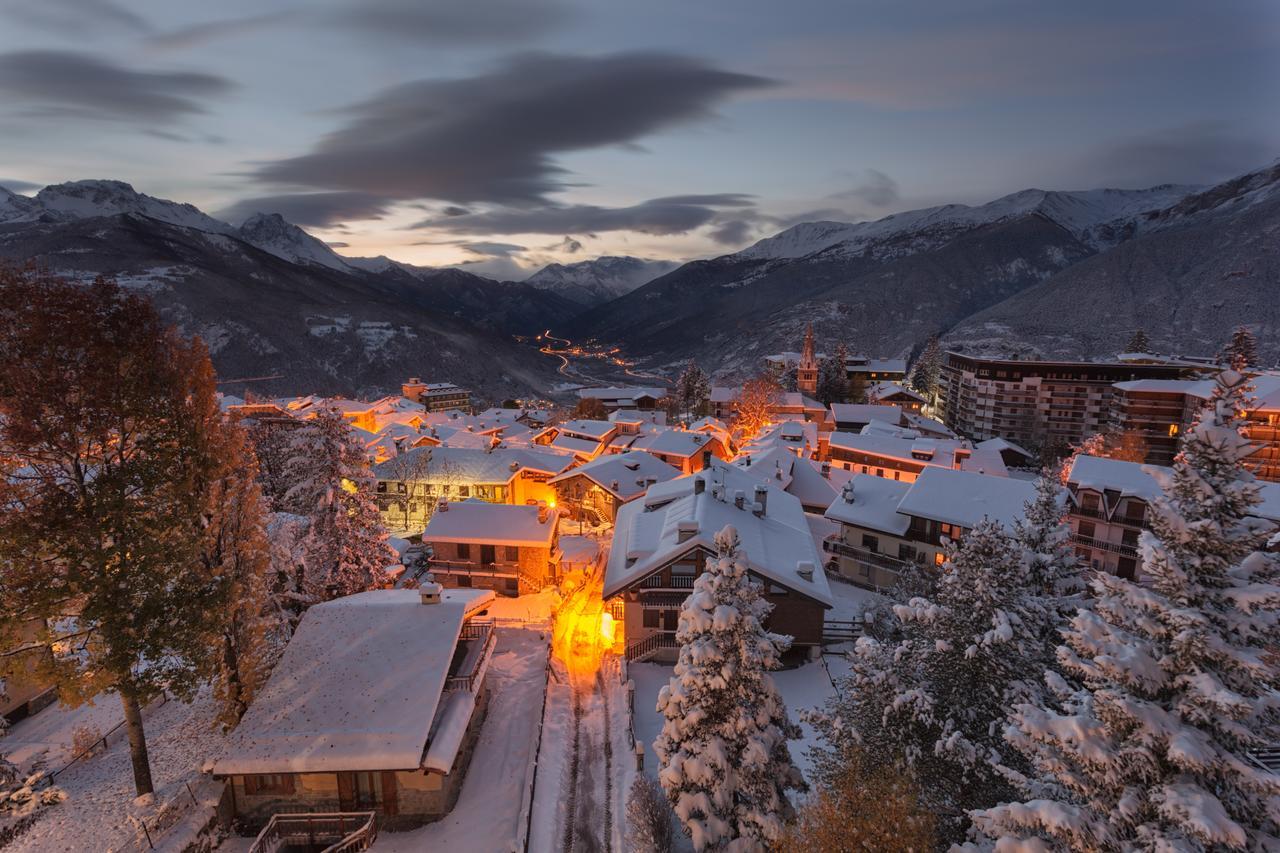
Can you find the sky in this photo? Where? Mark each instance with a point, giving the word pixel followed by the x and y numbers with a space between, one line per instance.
pixel 501 135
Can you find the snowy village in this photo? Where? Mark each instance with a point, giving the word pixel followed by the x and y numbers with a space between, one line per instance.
pixel 539 426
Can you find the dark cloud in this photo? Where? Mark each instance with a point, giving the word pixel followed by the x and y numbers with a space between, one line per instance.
pixel 74 84
pixel 197 34
pixel 448 22
pixel 493 137
pixel 73 16
pixel 1203 152
pixel 454 210
pixel 568 245
pixel 320 210
pixel 874 187
pixel 733 232
pixel 14 185
pixel 492 250
pixel 671 215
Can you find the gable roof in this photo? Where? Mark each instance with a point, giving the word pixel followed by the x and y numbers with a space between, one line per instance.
pixel 490 523
pixel 357 687
pixel 628 470
pixel 965 498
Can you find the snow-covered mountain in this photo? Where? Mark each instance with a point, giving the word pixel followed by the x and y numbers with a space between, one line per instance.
pixel 85 199
pixel 599 280
pixel 271 233
pixel 1092 216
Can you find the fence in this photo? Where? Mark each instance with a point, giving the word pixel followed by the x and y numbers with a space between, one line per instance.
pixel 343 832
pixel 114 734
pixel 173 810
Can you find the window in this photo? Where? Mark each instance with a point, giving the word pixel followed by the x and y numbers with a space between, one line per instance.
pixel 464 550
pixel 400 487
pixel 650 618
pixel 906 552
pixel 464 491
pixel 871 543
pixel 382 486
pixel 1086 529
pixel 269 783
pixel 510 553
pixel 938 559
pixel 684 569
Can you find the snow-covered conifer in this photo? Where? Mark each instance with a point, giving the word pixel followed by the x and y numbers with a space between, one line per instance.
pixel 1151 750
pixel 927 370
pixel 933 697
pixel 1139 342
pixel 693 390
pixel 722 751
pixel 1242 350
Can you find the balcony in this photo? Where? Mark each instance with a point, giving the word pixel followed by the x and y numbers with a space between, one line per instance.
pixel 1099 544
pixel 862 555
pixel 471 657
pixel 462 567
pixel 676 582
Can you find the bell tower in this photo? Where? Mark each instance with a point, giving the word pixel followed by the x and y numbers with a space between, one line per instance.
pixel 807 370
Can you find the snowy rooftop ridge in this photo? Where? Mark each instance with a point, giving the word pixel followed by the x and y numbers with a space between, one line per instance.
pixel 357 687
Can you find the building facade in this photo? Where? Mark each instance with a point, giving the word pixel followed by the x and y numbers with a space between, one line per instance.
pixel 437 396
pixel 512 550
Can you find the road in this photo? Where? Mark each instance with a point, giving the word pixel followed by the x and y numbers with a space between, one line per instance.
pixel 565 350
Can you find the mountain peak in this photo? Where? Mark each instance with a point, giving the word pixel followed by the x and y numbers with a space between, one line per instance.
pixel 100 197
pixel 599 279
pixel 273 234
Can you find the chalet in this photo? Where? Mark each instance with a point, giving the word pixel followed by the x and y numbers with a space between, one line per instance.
pixel 687 452
pixel 593 492
pixel 375 705
pixel 724 402
pixel 887 527
pixel 794 405
pixel 585 439
pixel 615 399
pixel 895 394
pixel 661 544
pixel 875 370
pixel 903 454
pixel 852 417
pixel 508 549
pixel 804 479
pixel 408 486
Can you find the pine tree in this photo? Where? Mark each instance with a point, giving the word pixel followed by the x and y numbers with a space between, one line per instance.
pixel 933 699
pixel 1241 352
pixel 864 808
pixel 1139 342
pixel 1170 682
pixel 927 371
pixel 1053 570
pixel 722 751
pixel 114 417
pixel 693 390
pixel 346 543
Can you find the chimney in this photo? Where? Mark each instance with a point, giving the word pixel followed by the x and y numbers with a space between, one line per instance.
pixel 443 505
pixel 699 485
pixel 847 492
pixel 543 513
pixel 686 530
pixel 762 499
pixel 804 569
pixel 429 593
pixel 739 498
pixel 826 470
pixel 514 466
pixel 614 485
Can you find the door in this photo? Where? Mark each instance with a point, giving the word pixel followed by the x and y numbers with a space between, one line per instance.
pixel 487 555
pixel 359 791
pixel 670 620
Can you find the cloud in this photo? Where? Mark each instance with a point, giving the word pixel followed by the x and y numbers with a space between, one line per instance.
pixel 74 16
pixel 448 22
pixel 14 185
pixel 454 210
pixel 875 188
pixel 1202 152
pixel 568 246
pixel 494 137
pixel 320 210
pixel 733 232
pixel 669 215
pixel 198 34
pixel 492 250
pixel 59 82
pixel 337 244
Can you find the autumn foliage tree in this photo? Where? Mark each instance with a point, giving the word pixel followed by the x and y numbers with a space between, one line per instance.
pixel 113 423
pixel 759 395
pixel 862 808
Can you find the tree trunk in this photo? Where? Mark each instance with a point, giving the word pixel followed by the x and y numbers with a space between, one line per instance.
pixel 137 743
pixel 231 668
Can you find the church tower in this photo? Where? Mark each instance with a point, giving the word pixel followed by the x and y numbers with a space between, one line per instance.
pixel 807 370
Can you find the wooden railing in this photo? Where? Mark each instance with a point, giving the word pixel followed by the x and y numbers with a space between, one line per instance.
pixel 343 832
pixel 467 680
pixel 647 647
pixel 1114 547
pixel 676 582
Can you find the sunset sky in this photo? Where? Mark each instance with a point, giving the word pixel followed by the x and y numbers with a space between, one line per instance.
pixel 506 134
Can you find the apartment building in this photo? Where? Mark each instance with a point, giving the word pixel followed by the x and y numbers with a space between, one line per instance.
pixel 437 396
pixel 1038 403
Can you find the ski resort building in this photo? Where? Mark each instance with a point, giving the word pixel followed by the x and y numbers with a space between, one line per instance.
pixel 376 705
pixel 437 396
pixel 594 492
pixel 875 370
pixel 895 394
pixel 508 549
pixel 662 542
pixel 903 454
pixel 887 527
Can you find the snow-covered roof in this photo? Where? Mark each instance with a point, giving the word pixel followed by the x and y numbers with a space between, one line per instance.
pixel 673 442
pixel 588 428
pixel 621 393
pixel 874 506
pixel 798 477
pixel 929 426
pixel 493 524
pixel 468 465
pixel 861 413
pixel 965 498
pixel 723 394
pixel 631 471
pixel 999 445
pixel 796 400
pixel 1195 387
pixel 1130 479
pixel 881 390
pixel 357 687
pixel 775 544
pixel 862 364
pixel 584 447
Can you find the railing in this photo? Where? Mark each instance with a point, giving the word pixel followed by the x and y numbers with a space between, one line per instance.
pixel 647 647
pixel 476 630
pixel 467 681
pixel 105 741
pixel 459 567
pixel 1114 547
pixel 676 582
pixel 834 546
pixel 344 832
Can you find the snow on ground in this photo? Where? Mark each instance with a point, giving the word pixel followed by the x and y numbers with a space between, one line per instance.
pixel 44 740
pixel 490 814
pixel 535 608
pixel 850 600
pixel 180 738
